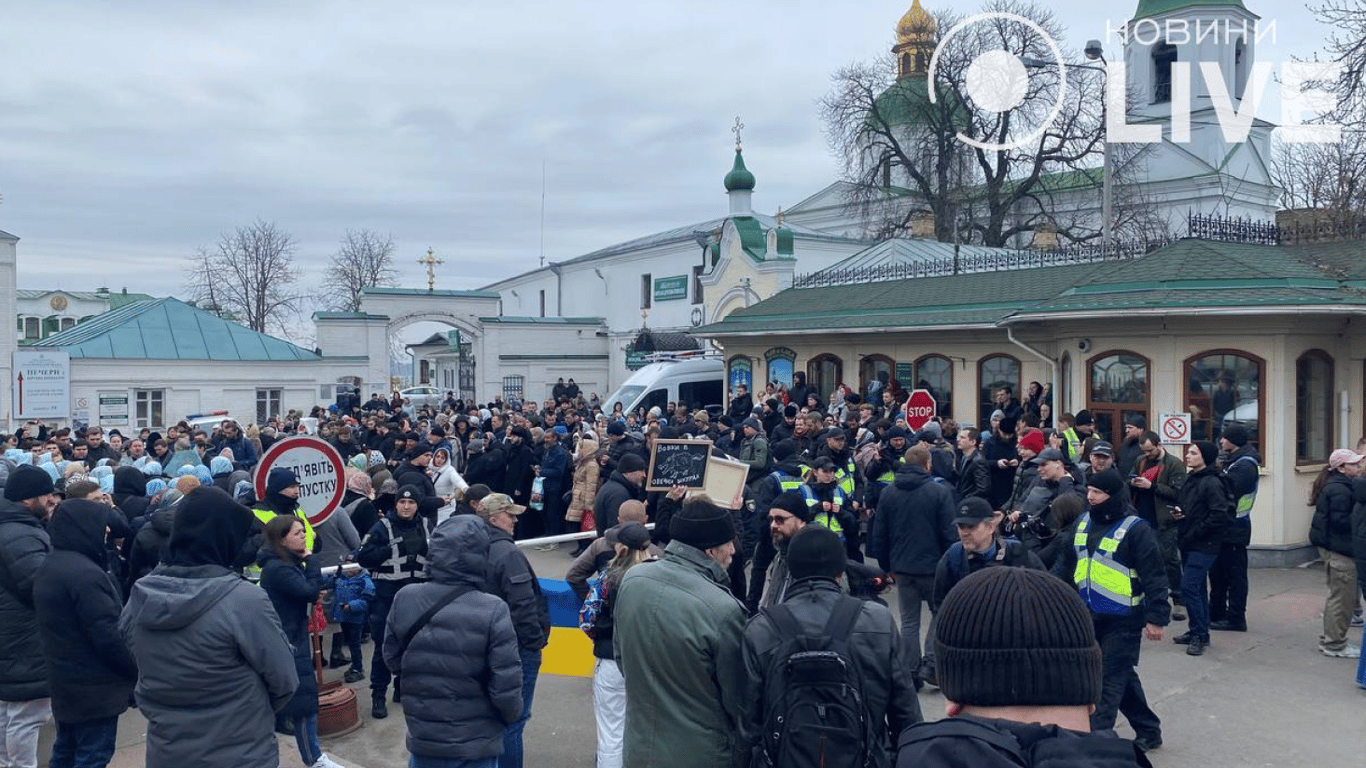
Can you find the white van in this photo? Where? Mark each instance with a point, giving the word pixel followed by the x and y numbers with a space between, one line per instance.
pixel 696 380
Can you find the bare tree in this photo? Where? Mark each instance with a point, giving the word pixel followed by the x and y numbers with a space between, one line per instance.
pixel 903 155
pixel 250 276
pixel 1330 178
pixel 364 259
pixel 1346 46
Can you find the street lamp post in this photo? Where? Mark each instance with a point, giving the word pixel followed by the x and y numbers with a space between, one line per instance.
pixel 1095 52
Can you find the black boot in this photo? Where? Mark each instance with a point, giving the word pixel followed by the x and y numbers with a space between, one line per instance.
pixel 378 710
pixel 1228 625
pixel 398 693
pixel 1196 647
pixel 337 659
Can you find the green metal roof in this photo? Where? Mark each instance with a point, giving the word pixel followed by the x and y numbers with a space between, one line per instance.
pixel 170 329
pixel 348 316
pixel 1189 274
pixel 739 177
pixel 1148 8
pixel 425 292
pixel 513 319
pixel 115 300
pixel 907 102
pixel 752 238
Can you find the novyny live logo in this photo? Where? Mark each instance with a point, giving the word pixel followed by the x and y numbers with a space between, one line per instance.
pixel 997 80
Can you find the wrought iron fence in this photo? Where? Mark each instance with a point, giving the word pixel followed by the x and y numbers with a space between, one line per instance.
pixel 1198 226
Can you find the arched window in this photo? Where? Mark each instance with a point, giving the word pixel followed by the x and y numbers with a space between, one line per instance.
pixel 1117 387
pixel 740 371
pixel 935 373
pixel 1224 386
pixel 1313 407
pixel 875 374
pixel 1164 56
pixel 1240 67
pixel 993 373
pixel 780 360
pixel 905 63
pixel 824 373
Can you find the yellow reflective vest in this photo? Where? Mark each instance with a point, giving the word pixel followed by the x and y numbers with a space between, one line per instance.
pixel 1105 583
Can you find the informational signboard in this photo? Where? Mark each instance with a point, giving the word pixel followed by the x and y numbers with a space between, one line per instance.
pixel 678 462
pixel 113 408
pixel 41 385
pixel 80 413
pixel 319 469
pixel 671 288
pixel 920 409
pixel 1174 428
pixel 637 360
pixel 904 373
pixel 726 482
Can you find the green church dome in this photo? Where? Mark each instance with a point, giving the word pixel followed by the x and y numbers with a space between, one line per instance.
pixel 739 177
pixel 1149 8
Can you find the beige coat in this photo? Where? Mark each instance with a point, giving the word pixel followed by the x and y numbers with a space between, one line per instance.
pixel 586 480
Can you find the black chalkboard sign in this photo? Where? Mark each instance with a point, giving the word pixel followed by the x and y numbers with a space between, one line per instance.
pixel 678 462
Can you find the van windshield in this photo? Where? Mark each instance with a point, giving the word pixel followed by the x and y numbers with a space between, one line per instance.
pixel 626 395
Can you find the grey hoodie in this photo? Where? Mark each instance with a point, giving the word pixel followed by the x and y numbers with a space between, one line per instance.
pixel 214 666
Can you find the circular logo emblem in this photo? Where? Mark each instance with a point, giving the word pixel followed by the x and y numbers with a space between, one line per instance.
pixel 58 302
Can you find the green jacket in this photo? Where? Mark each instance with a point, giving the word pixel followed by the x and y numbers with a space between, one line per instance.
pixel 678 636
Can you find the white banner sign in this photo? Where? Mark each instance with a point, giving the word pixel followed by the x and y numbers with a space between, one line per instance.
pixel 41 387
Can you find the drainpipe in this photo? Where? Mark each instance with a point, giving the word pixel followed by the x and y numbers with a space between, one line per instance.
pixel 1345 406
pixel 1052 365
pixel 559 289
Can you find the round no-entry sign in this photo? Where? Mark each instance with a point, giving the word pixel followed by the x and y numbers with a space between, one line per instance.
pixel 920 409
pixel 317 465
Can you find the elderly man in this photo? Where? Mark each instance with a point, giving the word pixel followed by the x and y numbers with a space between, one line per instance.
pixel 677 639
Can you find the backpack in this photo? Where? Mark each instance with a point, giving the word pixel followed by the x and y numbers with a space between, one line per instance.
pixel 814 711
pixel 594 604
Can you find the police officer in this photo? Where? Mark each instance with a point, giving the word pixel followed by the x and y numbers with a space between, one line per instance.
pixel 395 551
pixel 282 498
pixel 1116 565
pixel 1084 426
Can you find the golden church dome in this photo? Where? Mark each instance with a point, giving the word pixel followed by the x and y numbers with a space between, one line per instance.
pixel 917 26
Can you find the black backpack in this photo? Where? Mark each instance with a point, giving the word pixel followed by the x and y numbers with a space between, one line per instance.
pixel 814 711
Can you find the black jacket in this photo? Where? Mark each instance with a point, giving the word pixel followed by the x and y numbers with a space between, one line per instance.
pixel 486 468
pixel 613 493
pixel 1331 527
pixel 914 523
pixel 974 742
pixel 1002 480
pixel 1206 511
pixel 972 477
pixel 875 648
pixel 1245 476
pixel 1137 550
pixel 89 668
pixel 24 545
pixel 130 492
pixel 292 590
pixel 510 577
pixel 149 545
pixel 957 564
pixel 462 678
pixel 409 473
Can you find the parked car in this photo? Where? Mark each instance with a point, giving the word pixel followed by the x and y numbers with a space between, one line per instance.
pixel 420 396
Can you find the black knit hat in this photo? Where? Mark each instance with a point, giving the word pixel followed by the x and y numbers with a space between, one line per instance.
pixel 1108 481
pixel 1209 451
pixel 1236 434
pixel 1016 636
pixel 815 551
pixel 784 450
pixel 631 462
pixel 27 482
pixel 702 524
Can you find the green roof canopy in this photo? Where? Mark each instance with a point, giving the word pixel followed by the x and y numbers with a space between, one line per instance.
pixel 1147 8
pixel 169 329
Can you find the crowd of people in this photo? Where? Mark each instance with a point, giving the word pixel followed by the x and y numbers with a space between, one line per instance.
pixel 143 569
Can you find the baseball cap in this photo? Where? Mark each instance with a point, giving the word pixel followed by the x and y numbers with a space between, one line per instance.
pixel 1344 456
pixel 1049 454
pixel 973 510
pixel 498 502
pixel 1103 448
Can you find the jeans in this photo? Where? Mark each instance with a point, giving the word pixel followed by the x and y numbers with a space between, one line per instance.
pixel 1193 590
pixel 379 671
pixel 512 735
pixel 306 736
pixel 88 744
pixel 609 708
pixel 1342 598
pixel 352 633
pixel 1121 691
pixel 422 761
pixel 19 724
pixel 911 591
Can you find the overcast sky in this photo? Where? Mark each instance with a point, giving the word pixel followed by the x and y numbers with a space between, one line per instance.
pixel 132 133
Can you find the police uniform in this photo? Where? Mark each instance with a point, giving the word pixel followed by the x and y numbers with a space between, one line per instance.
pixel 395 552
pixel 1116 565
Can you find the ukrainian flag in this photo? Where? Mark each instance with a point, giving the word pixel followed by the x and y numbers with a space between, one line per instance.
pixel 570 651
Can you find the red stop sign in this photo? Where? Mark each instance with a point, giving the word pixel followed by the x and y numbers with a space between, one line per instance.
pixel 920 409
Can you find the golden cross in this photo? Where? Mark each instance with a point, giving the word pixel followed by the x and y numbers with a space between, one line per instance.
pixel 739 126
pixel 431 261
